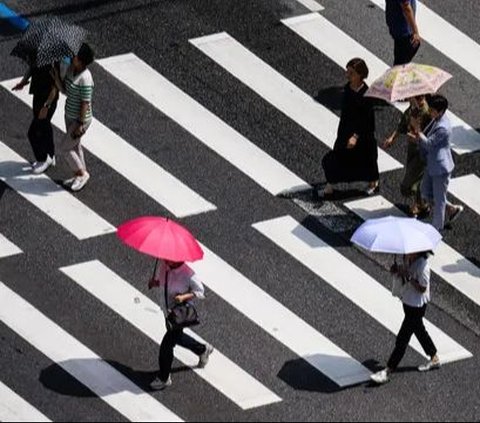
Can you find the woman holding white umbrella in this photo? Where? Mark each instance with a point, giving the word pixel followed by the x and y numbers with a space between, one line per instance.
pixel 415 241
pixel 416 295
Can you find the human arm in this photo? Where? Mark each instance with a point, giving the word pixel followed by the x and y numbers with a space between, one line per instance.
pixel 25 81
pixel 51 98
pixel 160 270
pixel 409 14
pixel 390 140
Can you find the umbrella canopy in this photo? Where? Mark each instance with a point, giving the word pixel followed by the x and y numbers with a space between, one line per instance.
pixel 48 41
pixel 405 81
pixel 396 235
pixel 161 238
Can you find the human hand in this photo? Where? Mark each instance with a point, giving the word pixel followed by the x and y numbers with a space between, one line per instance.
pixel 42 115
pixel 388 143
pixel 79 132
pixel 152 283
pixel 413 136
pixel 416 39
pixel 179 299
pixel 352 142
pixel 20 85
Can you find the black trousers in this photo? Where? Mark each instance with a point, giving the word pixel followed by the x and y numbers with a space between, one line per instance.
pixel 170 340
pixel 40 133
pixel 412 324
pixel 404 51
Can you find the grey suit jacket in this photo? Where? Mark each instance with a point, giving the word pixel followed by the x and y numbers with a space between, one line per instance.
pixel 435 144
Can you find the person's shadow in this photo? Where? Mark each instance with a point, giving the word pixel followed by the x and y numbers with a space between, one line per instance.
pixel 60 378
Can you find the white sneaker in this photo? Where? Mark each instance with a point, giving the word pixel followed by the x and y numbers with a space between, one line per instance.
pixel 159 385
pixel 430 365
pixel 80 182
pixel 68 182
pixel 381 377
pixel 40 167
pixel 203 360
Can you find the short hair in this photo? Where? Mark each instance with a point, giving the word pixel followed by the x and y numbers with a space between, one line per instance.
pixel 86 54
pixel 359 66
pixel 438 102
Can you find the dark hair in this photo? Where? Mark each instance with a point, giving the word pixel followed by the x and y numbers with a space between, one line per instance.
pixel 359 66
pixel 438 102
pixel 86 54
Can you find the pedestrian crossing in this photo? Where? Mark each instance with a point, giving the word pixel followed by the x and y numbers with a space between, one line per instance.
pixel 241 295
pixel 50 198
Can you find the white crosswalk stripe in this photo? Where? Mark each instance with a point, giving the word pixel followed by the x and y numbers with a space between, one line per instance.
pixel 278 91
pixel 50 198
pixel 466 189
pixel 7 248
pixel 340 47
pixel 14 408
pixel 147 316
pixel 79 361
pixel 204 125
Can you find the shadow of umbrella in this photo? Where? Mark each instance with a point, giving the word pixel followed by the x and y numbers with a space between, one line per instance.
pixel 464 265
pixel 302 376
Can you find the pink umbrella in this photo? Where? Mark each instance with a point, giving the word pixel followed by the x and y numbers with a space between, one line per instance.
pixel 161 238
pixel 405 81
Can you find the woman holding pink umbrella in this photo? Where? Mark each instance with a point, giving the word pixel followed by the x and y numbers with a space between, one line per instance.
pixel 172 245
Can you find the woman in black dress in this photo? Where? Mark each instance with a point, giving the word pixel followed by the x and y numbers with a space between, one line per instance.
pixel 355 153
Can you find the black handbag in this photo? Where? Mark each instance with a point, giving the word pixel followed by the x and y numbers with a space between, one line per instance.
pixel 181 315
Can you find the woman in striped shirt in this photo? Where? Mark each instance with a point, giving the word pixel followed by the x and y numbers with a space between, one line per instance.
pixel 78 87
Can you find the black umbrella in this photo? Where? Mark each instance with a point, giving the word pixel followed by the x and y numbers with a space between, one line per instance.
pixel 48 41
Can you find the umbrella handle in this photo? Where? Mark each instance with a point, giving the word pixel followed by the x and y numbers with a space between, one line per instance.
pixel 155 269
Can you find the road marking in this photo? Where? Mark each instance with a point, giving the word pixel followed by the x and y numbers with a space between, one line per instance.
pixel 279 322
pixel 278 91
pixel 351 281
pixel 145 315
pixel 450 265
pixel 446 38
pixel 311 5
pixel 340 47
pixel 8 248
pixel 466 189
pixel 204 125
pixel 133 165
pixel 14 408
pixel 50 198
pixel 79 361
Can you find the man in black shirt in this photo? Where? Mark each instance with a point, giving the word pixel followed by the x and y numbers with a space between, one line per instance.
pixel 40 133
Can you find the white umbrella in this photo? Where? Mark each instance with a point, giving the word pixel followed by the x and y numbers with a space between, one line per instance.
pixel 396 235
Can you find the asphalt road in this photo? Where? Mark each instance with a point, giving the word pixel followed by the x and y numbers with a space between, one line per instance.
pixel 158 32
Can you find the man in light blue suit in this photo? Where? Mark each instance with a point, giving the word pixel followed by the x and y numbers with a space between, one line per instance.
pixel 435 145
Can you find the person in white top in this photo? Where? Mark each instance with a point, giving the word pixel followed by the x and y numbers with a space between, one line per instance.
pixel 416 294
pixel 183 286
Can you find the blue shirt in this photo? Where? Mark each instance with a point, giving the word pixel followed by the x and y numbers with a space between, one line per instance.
pixel 396 21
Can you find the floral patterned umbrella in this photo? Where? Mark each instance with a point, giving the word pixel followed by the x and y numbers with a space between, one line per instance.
pixel 47 41
pixel 404 81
